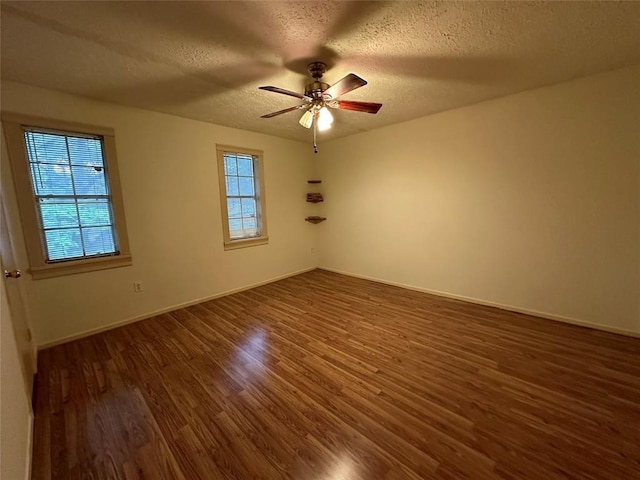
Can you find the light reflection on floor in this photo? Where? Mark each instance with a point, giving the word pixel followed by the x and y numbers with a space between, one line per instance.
pixel 342 471
pixel 251 351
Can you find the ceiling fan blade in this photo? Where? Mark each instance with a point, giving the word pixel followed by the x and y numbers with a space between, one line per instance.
pixel 366 107
pixel 283 91
pixel 286 110
pixel 344 85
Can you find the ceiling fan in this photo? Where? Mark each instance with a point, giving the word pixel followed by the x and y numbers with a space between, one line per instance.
pixel 318 96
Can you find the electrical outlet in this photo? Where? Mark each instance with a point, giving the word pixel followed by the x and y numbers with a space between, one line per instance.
pixel 137 286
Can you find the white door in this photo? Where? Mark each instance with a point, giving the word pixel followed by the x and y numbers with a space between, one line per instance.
pixel 16 299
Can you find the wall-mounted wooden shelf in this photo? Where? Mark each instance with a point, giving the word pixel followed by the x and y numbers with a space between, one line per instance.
pixel 315 197
pixel 315 219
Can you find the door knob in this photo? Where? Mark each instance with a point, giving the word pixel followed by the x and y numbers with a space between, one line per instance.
pixel 12 273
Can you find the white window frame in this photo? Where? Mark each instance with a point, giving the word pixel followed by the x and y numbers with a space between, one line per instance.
pixel 14 126
pixel 260 197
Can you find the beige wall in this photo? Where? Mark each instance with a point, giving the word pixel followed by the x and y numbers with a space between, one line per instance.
pixel 170 189
pixel 530 201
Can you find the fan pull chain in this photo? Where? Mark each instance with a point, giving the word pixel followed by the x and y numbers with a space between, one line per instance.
pixel 315 131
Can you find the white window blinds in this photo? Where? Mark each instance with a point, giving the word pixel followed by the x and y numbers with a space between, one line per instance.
pixel 71 188
pixel 242 190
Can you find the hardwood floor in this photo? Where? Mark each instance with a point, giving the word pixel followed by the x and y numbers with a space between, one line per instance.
pixel 327 377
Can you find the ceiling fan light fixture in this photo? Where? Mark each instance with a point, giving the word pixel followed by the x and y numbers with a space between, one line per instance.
pixel 307 119
pixel 319 97
pixel 325 119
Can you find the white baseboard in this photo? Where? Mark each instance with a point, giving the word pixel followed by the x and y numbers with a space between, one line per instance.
pixel 547 316
pixel 127 321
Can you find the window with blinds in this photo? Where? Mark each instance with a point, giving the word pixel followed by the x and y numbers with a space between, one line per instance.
pixel 242 196
pixel 71 189
pixel 68 191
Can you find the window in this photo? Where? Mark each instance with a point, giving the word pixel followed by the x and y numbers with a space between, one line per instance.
pixel 66 181
pixel 241 176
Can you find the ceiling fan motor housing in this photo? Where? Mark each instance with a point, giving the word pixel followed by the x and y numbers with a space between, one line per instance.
pixel 315 89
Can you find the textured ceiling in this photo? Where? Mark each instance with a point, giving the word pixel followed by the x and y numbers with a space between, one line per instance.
pixel 205 60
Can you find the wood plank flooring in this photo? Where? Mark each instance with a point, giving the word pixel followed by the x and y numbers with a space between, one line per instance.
pixel 327 377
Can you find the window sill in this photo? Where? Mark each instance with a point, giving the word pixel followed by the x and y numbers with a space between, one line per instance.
pixel 245 242
pixel 79 266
